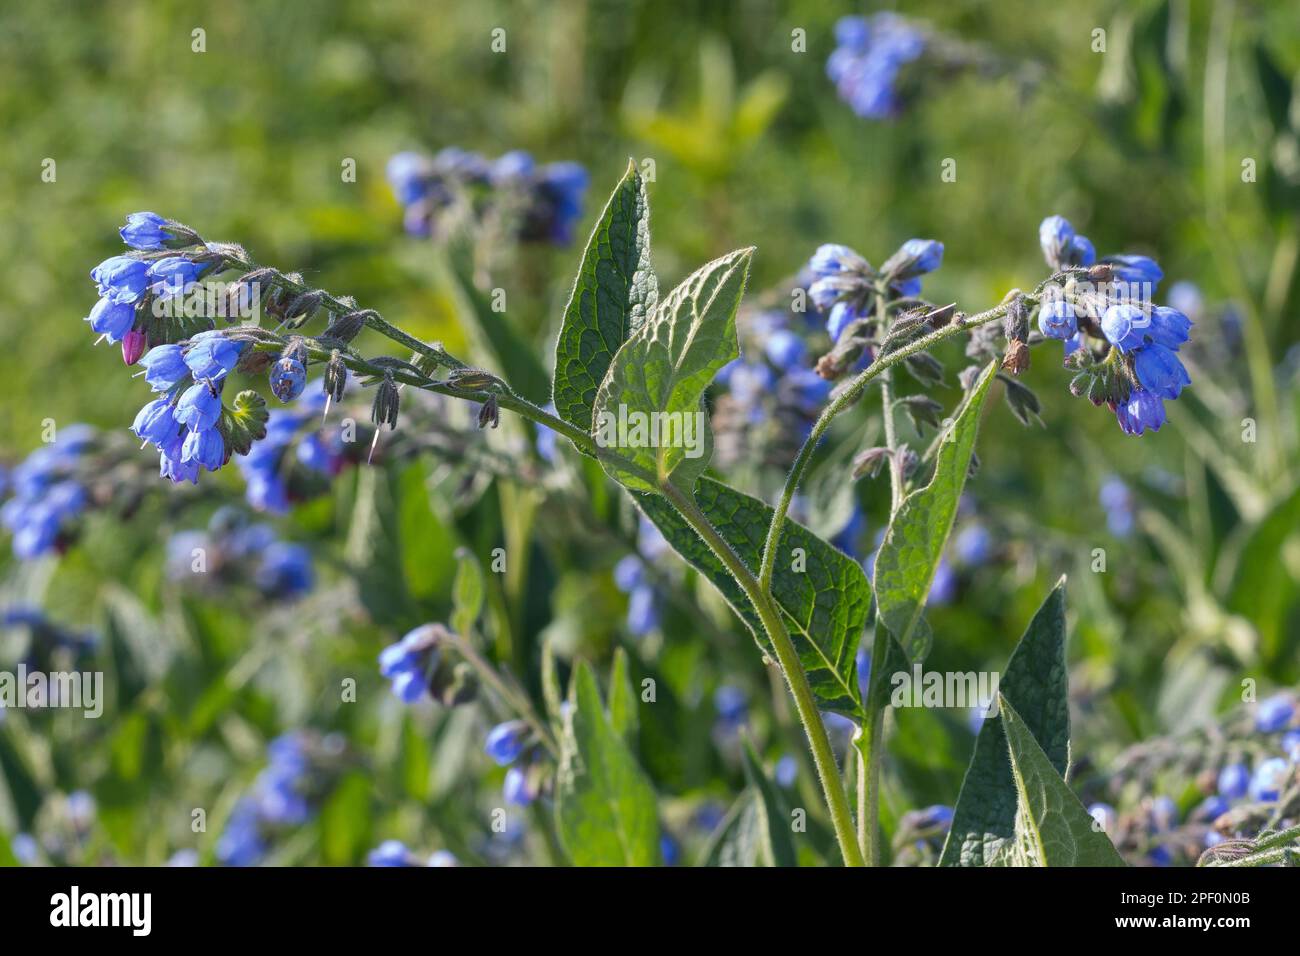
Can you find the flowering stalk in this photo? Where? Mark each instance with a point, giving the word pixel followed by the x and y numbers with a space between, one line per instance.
pixel 869 737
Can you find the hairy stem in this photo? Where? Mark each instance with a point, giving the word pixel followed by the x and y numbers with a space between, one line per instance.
pixel 806 705
pixel 845 400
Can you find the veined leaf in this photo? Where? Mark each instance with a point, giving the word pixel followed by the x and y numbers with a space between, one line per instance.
pixel 776 848
pixel 1052 826
pixel 604 806
pixel 825 603
pixel 907 560
pixel 1034 680
pixel 656 383
pixel 615 291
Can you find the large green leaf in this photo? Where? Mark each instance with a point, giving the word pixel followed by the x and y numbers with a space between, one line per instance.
pixel 614 293
pixel 604 805
pixel 1052 826
pixel 776 847
pixel 659 376
pixel 825 604
pixel 1034 680
pixel 914 543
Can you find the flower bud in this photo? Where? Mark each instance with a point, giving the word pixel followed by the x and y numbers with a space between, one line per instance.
pixel 288 378
pixel 346 327
pixel 133 346
pixel 489 413
pixel 384 410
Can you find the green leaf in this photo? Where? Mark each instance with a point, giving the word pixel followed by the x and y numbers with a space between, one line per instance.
pixel 623 716
pixel 616 290
pixel 659 376
pixel 345 821
pixel 244 422
pixel 914 543
pixel 1052 826
pixel 492 332
pixel 776 848
pixel 825 604
pixel 1035 681
pixel 1262 588
pixel 605 807
pixel 466 592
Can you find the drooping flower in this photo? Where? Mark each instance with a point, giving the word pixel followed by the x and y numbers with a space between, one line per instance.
pixel 111 319
pixel 211 355
pixel 205 447
pixel 121 278
pixel 1160 371
pixel 505 742
pixel 288 378
pixel 155 423
pixel 164 367
pixel 1056 319
pixel 199 407
pixel 144 231
pixel 1141 412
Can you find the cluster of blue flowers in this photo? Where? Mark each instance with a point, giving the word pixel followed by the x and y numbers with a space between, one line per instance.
pixel 845 284
pixel 127 283
pixel 630 577
pixel 234 550
pixel 272 483
pixel 283 795
pixel 46 495
pixel 1144 338
pixel 397 853
pixel 1160 835
pixel 546 199
pixel 505 744
pixel 188 422
pixel 184 424
pixel 774 381
pixel 869 53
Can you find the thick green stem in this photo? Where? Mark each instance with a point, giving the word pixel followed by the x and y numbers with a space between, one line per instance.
pixel 806 705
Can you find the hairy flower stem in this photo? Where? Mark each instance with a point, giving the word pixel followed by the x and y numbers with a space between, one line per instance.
pixel 805 703
pixel 823 756
pixel 847 398
pixel 869 739
pixel 513 697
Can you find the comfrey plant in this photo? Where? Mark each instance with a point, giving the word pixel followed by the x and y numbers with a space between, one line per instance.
pixel 627 348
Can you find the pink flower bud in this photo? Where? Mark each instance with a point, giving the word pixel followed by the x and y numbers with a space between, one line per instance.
pixel 133 344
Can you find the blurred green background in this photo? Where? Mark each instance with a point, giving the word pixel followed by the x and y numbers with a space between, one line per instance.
pixel 1141 147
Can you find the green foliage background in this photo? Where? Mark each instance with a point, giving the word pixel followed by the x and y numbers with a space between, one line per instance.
pixel 245 141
